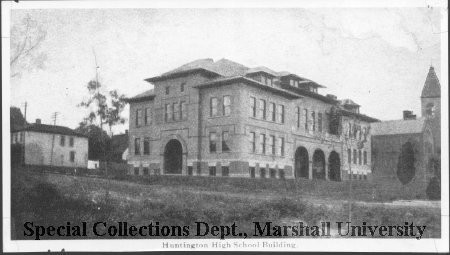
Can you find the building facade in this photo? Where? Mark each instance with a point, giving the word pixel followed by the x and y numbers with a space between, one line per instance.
pixel 49 145
pixel 224 119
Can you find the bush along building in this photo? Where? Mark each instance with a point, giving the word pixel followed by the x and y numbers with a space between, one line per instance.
pixel 406 153
pixel 49 145
pixel 221 118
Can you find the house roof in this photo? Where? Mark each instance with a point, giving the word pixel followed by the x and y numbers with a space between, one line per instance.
pixel 147 95
pixel 349 102
pixel 432 87
pixel 50 129
pixel 262 69
pixel 397 127
pixel 359 116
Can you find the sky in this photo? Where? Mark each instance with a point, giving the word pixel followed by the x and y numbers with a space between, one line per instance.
pixel 379 57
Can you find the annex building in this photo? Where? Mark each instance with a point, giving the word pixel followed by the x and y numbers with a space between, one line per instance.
pixel 221 118
pixel 406 152
pixel 50 145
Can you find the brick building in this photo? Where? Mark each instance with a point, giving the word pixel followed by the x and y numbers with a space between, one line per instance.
pixel 403 150
pixel 224 119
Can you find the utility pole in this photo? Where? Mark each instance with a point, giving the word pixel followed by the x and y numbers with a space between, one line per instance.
pixel 25 113
pixel 54 117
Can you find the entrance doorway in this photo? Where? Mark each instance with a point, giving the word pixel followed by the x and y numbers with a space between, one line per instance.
pixel 173 157
pixel 301 163
pixel 334 163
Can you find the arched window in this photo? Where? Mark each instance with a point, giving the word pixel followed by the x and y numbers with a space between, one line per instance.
pixel 430 109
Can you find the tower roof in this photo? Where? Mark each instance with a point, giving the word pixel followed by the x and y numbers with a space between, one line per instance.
pixel 432 87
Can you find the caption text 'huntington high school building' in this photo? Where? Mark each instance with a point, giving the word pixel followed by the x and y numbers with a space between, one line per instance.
pixel 224 119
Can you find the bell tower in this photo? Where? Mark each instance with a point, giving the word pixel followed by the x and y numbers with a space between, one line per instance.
pixel 431 105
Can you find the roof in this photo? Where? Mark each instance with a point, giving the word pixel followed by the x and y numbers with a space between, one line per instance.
pixel 50 129
pixel 359 116
pixel 397 127
pixel 222 67
pixel 149 94
pixel 349 102
pixel 262 69
pixel 432 87
pixel 251 82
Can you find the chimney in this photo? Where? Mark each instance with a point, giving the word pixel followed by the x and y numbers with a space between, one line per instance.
pixel 408 115
pixel 38 121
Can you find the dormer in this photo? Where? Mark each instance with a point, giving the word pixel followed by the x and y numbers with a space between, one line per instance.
pixel 296 81
pixel 262 75
pixel 350 106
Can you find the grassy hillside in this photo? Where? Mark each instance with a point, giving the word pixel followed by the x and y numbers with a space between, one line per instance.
pixel 53 199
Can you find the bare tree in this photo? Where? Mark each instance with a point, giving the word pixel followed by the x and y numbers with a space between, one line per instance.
pixel 26 37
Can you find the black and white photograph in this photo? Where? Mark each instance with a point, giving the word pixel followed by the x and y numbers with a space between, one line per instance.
pixel 224 126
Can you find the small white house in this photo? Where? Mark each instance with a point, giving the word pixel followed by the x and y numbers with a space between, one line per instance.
pixel 93 164
pixel 52 145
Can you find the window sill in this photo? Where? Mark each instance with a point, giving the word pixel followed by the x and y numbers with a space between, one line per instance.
pixel 268 121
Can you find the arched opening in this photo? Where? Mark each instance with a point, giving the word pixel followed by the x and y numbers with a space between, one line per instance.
pixel 334 166
pixel 173 157
pixel 301 163
pixel 406 162
pixel 318 164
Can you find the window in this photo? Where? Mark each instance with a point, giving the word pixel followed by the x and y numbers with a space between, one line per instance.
pixel 313 120
pixel 305 116
pixel 297 114
pixel 225 141
pixel 263 80
pixel 272 173
pixel 22 137
pixel 146 146
pixel 272 112
pixel 269 81
pixel 281 173
pixel 212 171
pixel 72 156
pixel 70 141
pixel 226 105
pixel 296 84
pixel 262 109
pixel 63 140
pixel 262 143
pixel 145 171
pixel 291 82
pixel 281 146
pixel 168 115
pixel 213 107
pixel 136 171
pixel 253 141
pixel 272 144
pixel 253 105
pixel 212 142
pixel 349 156
pixel 225 171
pixel 176 111
pixel 138 117
pixel 365 157
pixel 262 172
pixel 182 86
pixel 147 117
pixel 167 90
pixel 190 170
pixel 359 157
pixel 319 121
pixel 183 110
pixel 137 146
pixel 354 156
pixel 280 113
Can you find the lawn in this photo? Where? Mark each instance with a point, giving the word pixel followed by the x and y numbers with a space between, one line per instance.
pixel 55 199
